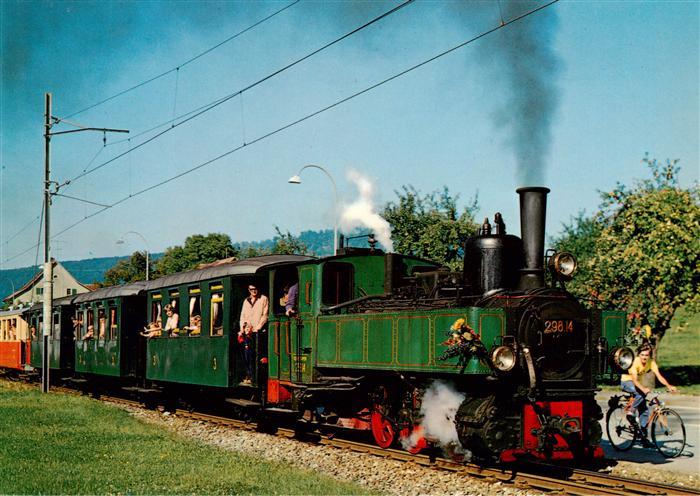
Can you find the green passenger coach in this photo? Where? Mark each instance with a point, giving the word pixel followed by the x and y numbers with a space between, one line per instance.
pixel 107 323
pixel 206 354
pixel 61 338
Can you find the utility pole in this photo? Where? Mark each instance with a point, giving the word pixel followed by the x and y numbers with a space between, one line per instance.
pixel 48 265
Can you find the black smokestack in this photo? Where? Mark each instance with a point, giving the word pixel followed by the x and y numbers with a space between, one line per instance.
pixel 533 212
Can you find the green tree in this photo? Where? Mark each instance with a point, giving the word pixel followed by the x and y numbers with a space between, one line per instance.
pixel 130 270
pixel 579 238
pixel 431 226
pixel 646 254
pixel 197 249
pixel 287 244
pixel 282 244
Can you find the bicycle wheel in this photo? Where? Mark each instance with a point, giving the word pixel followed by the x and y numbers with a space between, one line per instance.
pixel 621 433
pixel 668 433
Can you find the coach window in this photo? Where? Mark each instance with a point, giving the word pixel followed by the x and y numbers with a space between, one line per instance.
pixel 3 330
pixel 56 329
pixel 113 324
pixel 89 321
pixel 78 325
pixel 217 310
pixel 156 311
pixel 173 297
pixel 101 323
pixel 195 310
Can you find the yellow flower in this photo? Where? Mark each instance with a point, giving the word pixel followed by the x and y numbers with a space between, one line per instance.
pixel 459 323
pixel 647 330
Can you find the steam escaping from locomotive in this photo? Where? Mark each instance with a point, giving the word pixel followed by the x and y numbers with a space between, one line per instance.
pixel 438 409
pixel 362 212
pixel 525 62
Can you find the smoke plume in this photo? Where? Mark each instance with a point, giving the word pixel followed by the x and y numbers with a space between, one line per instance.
pixel 361 213
pixel 524 60
pixel 438 409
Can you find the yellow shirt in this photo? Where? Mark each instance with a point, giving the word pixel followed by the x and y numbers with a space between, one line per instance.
pixel 640 370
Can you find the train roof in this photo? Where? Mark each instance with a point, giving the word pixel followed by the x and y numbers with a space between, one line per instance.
pixel 245 267
pixel 62 301
pixel 16 311
pixel 130 289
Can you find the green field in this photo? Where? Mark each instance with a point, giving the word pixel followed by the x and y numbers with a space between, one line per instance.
pixel 681 344
pixel 59 444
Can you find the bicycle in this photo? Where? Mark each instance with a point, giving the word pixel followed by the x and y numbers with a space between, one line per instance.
pixel 667 428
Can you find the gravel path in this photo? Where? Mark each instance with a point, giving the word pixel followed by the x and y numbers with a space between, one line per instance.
pixel 377 474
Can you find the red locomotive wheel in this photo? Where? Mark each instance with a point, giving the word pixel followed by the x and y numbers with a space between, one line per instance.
pixel 413 438
pixel 382 429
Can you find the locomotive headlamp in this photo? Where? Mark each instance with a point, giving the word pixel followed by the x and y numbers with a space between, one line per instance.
pixel 503 358
pixel 623 357
pixel 563 265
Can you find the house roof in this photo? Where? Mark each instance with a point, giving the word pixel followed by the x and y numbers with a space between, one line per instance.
pixel 32 282
pixel 29 284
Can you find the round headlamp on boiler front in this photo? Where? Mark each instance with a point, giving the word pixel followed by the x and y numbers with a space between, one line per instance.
pixel 563 265
pixel 503 358
pixel 622 357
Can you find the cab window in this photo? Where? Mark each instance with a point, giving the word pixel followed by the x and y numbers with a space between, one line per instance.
pixel 285 278
pixel 337 283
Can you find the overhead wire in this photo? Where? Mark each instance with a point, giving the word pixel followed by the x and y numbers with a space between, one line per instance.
pixel 309 116
pixel 26 226
pixel 188 61
pixel 206 108
pixel 303 119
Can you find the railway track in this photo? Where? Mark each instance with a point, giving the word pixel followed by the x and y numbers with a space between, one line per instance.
pixel 565 481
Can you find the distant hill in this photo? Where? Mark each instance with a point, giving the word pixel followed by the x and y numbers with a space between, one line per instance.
pixel 319 243
pixel 92 270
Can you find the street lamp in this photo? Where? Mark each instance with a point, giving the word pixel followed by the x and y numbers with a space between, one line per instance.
pixel 121 242
pixel 297 180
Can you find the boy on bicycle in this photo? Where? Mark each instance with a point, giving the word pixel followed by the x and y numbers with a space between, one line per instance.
pixel 632 382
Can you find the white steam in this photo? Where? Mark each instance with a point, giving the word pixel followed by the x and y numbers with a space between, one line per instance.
pixel 438 409
pixel 361 213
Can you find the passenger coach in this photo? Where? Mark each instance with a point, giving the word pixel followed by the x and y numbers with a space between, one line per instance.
pixel 14 340
pixel 61 355
pixel 211 355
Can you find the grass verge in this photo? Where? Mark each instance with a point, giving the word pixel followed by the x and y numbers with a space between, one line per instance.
pixel 59 444
pixel 680 345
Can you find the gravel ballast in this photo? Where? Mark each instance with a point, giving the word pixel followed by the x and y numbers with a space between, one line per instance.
pixel 378 474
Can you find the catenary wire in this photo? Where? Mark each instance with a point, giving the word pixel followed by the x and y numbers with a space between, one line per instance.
pixel 188 61
pixel 308 116
pixel 26 226
pixel 298 121
pixel 206 108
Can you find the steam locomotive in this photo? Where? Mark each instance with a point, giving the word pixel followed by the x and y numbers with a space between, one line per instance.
pixel 372 336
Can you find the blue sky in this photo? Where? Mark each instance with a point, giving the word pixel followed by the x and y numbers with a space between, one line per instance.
pixel 619 79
